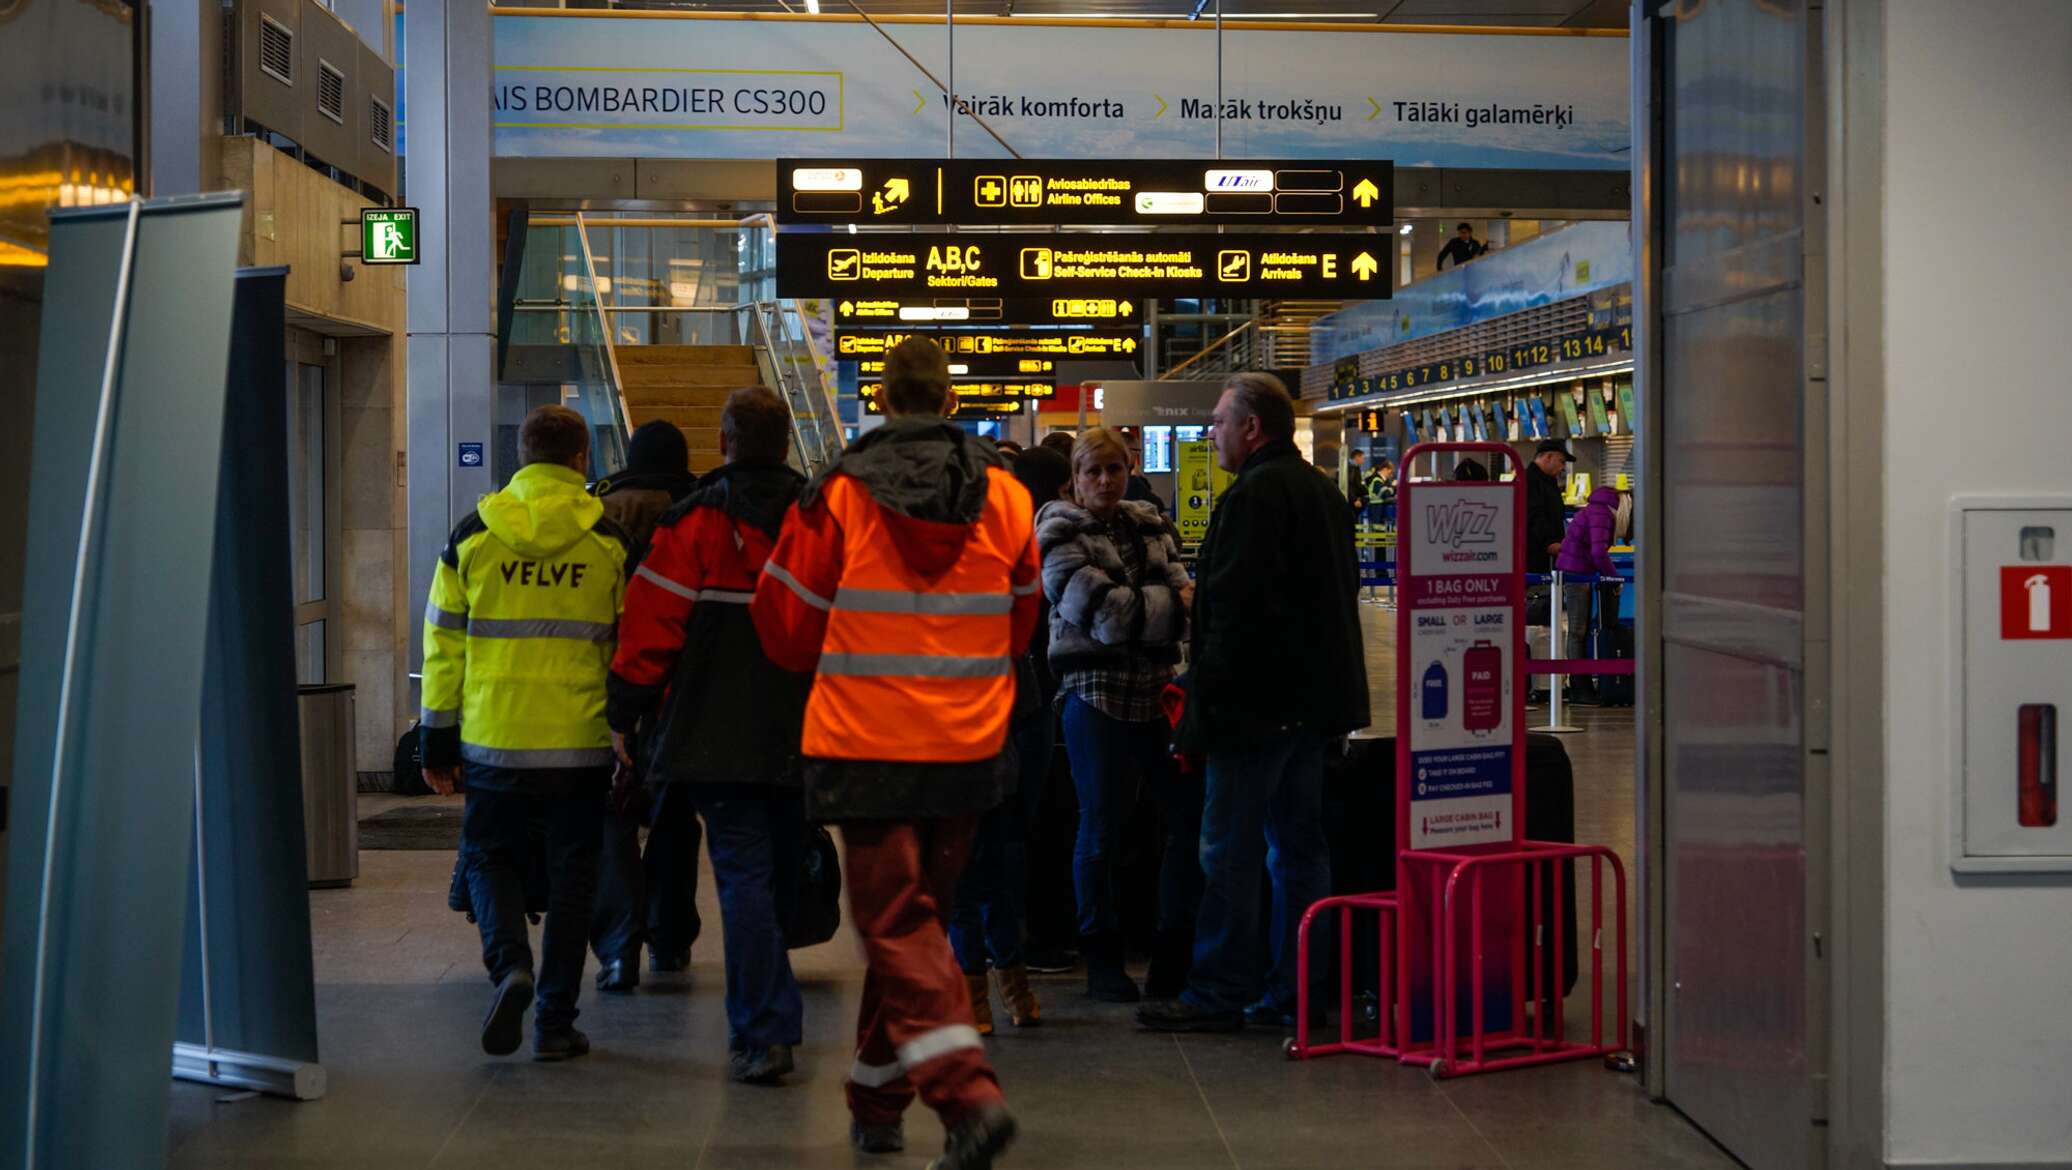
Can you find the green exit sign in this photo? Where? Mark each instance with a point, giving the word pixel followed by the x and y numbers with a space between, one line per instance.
pixel 388 235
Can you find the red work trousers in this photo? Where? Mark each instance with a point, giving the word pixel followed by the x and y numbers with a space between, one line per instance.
pixel 914 1030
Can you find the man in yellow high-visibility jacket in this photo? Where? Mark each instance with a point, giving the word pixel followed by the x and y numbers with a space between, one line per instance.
pixel 518 641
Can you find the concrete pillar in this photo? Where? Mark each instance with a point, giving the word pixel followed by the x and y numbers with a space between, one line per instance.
pixel 452 345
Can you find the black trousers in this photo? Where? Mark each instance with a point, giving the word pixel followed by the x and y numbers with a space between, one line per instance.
pixel 650 899
pixel 498 829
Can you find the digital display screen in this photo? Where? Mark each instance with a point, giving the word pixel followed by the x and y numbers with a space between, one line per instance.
pixel 1158 449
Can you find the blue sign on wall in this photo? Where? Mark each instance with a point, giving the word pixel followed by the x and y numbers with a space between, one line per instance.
pixel 471 454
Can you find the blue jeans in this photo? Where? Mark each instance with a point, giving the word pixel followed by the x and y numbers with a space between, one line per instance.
pixel 1109 759
pixel 987 921
pixel 1264 800
pixel 651 899
pixel 756 840
pixel 497 832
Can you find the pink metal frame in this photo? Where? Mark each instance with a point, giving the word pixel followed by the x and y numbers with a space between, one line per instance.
pixel 1383 1044
pixel 1545 1042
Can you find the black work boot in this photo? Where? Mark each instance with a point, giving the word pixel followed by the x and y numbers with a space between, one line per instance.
pixel 1106 980
pixel 760 1066
pixel 620 976
pixel 877 1139
pixel 565 1043
pixel 1178 1015
pixel 977 1139
pixel 504 1027
pixel 1171 958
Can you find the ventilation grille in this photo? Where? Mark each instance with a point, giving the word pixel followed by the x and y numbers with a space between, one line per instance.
pixel 330 92
pixel 378 124
pixel 276 50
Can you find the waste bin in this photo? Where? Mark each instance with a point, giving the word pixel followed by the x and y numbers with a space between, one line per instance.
pixel 330 785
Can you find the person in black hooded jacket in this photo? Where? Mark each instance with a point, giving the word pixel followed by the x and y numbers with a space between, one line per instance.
pixel 720 720
pixel 651 899
pixel 1278 668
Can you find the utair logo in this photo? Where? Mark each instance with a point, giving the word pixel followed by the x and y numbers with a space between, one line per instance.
pixel 1460 523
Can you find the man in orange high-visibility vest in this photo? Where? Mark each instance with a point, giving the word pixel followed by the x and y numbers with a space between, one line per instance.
pixel 905 579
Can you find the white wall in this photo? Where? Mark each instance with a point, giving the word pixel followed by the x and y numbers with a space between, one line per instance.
pixel 1978 312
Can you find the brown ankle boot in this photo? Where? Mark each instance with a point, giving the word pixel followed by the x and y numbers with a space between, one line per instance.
pixel 981 1003
pixel 1022 1007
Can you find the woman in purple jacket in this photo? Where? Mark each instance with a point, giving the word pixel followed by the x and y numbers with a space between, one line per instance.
pixel 1586 549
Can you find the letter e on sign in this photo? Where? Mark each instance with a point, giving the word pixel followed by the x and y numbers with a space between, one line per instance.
pixel 2035 602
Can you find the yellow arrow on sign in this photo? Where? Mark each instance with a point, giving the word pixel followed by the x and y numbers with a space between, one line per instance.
pixel 1129 345
pixel 1376 107
pixel 1161 107
pixel 1365 266
pixel 847 308
pixel 921 103
pixel 1124 308
pixel 895 193
pixel 1365 193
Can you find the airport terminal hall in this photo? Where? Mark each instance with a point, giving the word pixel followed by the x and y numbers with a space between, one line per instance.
pixel 1040 584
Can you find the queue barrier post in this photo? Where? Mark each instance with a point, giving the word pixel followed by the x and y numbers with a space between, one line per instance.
pixel 1557 647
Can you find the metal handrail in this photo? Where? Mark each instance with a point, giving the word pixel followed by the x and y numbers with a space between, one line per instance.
pixel 604 327
pixel 1227 341
pixel 812 403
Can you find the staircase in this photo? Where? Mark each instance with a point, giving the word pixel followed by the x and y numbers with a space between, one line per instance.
pixel 686 385
pixel 1285 327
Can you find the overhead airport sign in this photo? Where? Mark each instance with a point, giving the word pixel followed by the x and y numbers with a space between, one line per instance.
pixel 967 408
pixel 1034 192
pixel 1262 265
pixel 930 311
pixel 996 353
pixel 995 399
pixel 1015 388
pixel 572 83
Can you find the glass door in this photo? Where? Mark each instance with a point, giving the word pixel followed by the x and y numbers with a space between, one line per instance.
pixel 313 505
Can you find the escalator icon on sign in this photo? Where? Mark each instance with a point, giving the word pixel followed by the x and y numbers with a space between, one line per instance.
pixel 1234 265
pixel 1035 263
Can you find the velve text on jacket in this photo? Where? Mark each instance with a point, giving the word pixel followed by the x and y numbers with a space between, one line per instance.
pixel 534 573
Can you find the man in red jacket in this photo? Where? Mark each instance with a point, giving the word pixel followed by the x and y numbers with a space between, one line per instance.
pixel 906 581
pixel 719 722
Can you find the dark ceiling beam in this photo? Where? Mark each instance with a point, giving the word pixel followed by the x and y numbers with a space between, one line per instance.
pixel 1475 193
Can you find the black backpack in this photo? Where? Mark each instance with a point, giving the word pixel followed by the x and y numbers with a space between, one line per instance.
pixel 410 766
pixel 818 913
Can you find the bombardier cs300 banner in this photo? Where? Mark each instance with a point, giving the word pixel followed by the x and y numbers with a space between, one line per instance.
pixel 677 86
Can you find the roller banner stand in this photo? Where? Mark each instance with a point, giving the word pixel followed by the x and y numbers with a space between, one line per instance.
pixel 1463 966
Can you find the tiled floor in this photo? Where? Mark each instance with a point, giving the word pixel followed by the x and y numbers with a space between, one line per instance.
pixel 400 994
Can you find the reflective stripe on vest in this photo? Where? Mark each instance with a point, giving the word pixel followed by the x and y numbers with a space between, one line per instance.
pixel 792 583
pixel 496 757
pixel 915 665
pixel 733 596
pixel 444 619
pixel 542 628
pixel 908 601
pixel 438 719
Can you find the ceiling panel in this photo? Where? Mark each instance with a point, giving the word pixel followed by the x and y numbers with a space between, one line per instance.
pixel 1516 13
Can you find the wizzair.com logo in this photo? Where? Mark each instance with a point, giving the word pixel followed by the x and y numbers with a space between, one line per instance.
pixel 1457 526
